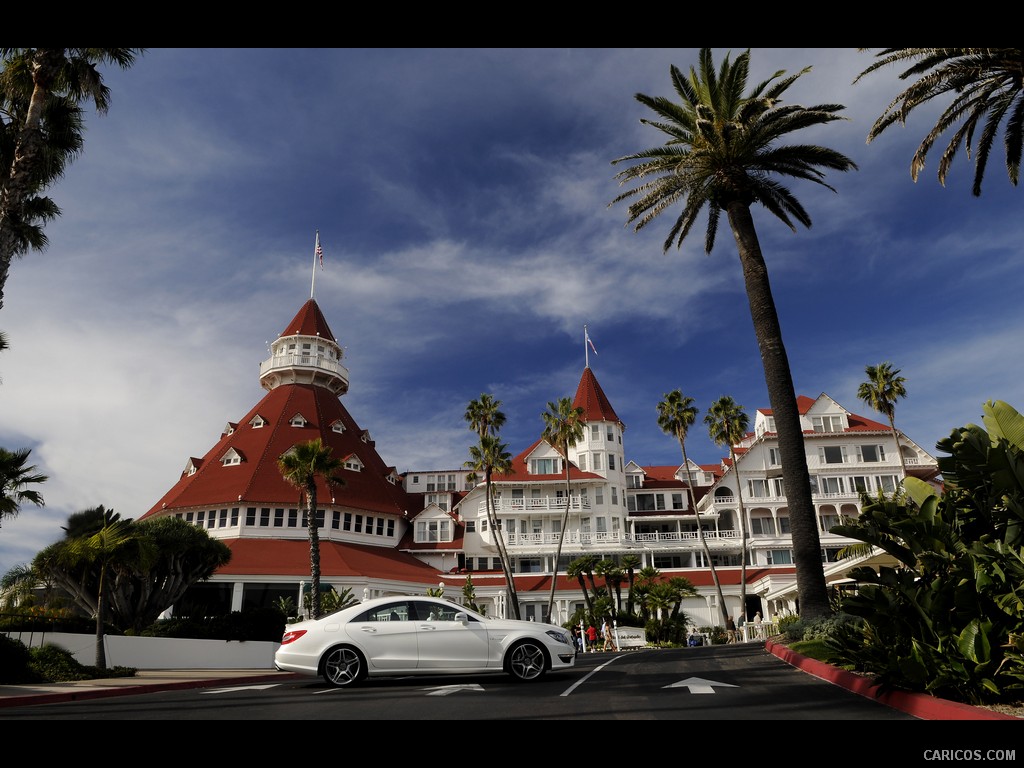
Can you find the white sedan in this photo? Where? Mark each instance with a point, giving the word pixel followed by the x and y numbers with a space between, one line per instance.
pixel 391 636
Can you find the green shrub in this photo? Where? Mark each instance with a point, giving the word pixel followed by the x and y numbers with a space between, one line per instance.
pixel 15 661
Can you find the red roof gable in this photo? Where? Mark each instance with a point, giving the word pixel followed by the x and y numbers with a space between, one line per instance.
pixel 309 321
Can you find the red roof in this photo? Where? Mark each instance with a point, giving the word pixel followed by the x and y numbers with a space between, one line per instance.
pixel 592 399
pixel 309 321
pixel 258 481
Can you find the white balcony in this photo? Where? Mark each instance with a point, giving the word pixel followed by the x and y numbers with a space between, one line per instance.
pixel 541 505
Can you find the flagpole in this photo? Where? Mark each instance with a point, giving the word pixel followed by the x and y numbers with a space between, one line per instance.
pixel 312 285
pixel 586 349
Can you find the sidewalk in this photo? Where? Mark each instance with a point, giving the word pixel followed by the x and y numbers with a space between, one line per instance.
pixel 144 681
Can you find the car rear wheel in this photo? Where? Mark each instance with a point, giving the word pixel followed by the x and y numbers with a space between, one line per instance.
pixel 527 661
pixel 343 666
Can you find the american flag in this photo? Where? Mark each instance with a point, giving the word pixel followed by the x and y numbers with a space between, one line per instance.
pixel 590 342
pixel 319 251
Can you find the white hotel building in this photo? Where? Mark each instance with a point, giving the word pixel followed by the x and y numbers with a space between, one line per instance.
pixel 387 532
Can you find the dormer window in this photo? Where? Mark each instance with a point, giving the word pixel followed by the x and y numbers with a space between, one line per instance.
pixel 338 426
pixel 298 420
pixel 229 429
pixel 257 421
pixel 353 463
pixel 191 467
pixel 365 437
pixel 827 423
pixel 545 466
pixel 231 458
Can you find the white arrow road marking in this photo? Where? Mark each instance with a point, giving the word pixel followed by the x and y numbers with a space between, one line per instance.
pixel 445 690
pixel 242 688
pixel 700 685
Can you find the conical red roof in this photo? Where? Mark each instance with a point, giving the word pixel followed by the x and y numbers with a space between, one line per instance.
pixel 591 398
pixel 309 321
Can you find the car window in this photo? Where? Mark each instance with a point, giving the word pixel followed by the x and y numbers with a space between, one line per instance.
pixel 436 611
pixel 389 612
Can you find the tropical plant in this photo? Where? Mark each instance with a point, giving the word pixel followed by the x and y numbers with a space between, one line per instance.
pixel 881 391
pixel 725 152
pixel 987 92
pixel 629 563
pixel 490 455
pixel 948 617
pixel 111 546
pixel 676 414
pixel 563 429
pixel 15 479
pixel 41 91
pixel 302 466
pixel 136 589
pixel 469 597
pixel 727 424
pixel 577 570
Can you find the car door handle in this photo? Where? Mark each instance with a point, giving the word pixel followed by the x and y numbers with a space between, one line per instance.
pixel 428 626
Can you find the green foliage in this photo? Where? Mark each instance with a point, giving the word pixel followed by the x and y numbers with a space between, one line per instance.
pixel 785 622
pixel 948 619
pixel 14 662
pixel 716 634
pixel 47 664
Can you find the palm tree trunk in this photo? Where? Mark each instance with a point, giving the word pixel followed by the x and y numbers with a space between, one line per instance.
pixel 810 576
pixel 899 451
pixel 101 654
pixel 743 534
pixel 499 539
pixel 700 535
pixel 561 538
pixel 314 552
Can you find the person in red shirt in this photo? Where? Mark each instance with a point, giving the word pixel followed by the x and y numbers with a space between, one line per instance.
pixel 592 637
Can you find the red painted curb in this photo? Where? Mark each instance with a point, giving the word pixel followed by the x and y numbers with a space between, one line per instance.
pixel 920 705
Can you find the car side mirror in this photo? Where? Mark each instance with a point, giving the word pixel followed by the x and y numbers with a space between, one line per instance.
pixel 462 617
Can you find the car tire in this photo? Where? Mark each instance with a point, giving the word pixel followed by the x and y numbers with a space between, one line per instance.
pixel 343 666
pixel 526 661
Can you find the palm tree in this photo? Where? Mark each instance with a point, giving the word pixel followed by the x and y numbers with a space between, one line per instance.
pixel 988 92
pixel 577 569
pixel 301 466
pixel 491 456
pixel 676 414
pixel 46 78
pixel 563 428
pixel 881 391
pixel 629 564
pixel 486 419
pixel 725 152
pixel 727 424
pixel 116 545
pixel 15 479
pixel 603 569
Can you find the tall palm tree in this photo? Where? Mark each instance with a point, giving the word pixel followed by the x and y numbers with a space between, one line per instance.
pixel 987 87
pixel 725 152
pixel 67 76
pixel 117 544
pixel 302 466
pixel 630 563
pixel 881 391
pixel 727 424
pixel 577 569
pixel 563 428
pixel 15 479
pixel 491 456
pixel 676 414
pixel 486 419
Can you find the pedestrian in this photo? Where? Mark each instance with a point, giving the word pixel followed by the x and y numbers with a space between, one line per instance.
pixel 730 629
pixel 592 637
pixel 577 637
pixel 609 638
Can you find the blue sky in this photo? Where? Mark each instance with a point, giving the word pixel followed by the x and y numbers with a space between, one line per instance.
pixel 462 198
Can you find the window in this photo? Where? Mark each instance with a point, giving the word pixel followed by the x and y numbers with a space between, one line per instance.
pixel 870 453
pixel 297 420
pixel 611 434
pixel 762 526
pixel 369 524
pixel 611 461
pixel 780 487
pixel 530 565
pixel 757 488
pixel 545 466
pixel 335 520
pixel 831 484
pixel 433 530
pixel 886 483
pixel 769 424
pixel 471 526
pixel 595 432
pixel 774 457
pixel 780 557
pixel 832 454
pixel 347 523
pixel 784 524
pixel 358 528
pixel 633 481
pixel 598 461
pixel 615 497
pixel 827 423
pixel 265 516
pixel 279 518
pixel 827 521
pixel 431 485
pixel 353 463
pixel 860 484
pixel 250 516
pixel 391 528
pixel 677 501
pixel 659 500
pixel 451 482
pixel 581 462
pixel 644 502
pixel 599 495
pixel 337 426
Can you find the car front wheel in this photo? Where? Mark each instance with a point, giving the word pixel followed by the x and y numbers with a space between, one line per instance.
pixel 527 661
pixel 343 666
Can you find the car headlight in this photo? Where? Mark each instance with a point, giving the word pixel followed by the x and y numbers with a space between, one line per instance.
pixel 560 637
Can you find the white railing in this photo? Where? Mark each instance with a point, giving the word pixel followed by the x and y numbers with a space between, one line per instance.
pixel 303 361
pixel 544 504
pixel 658 539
